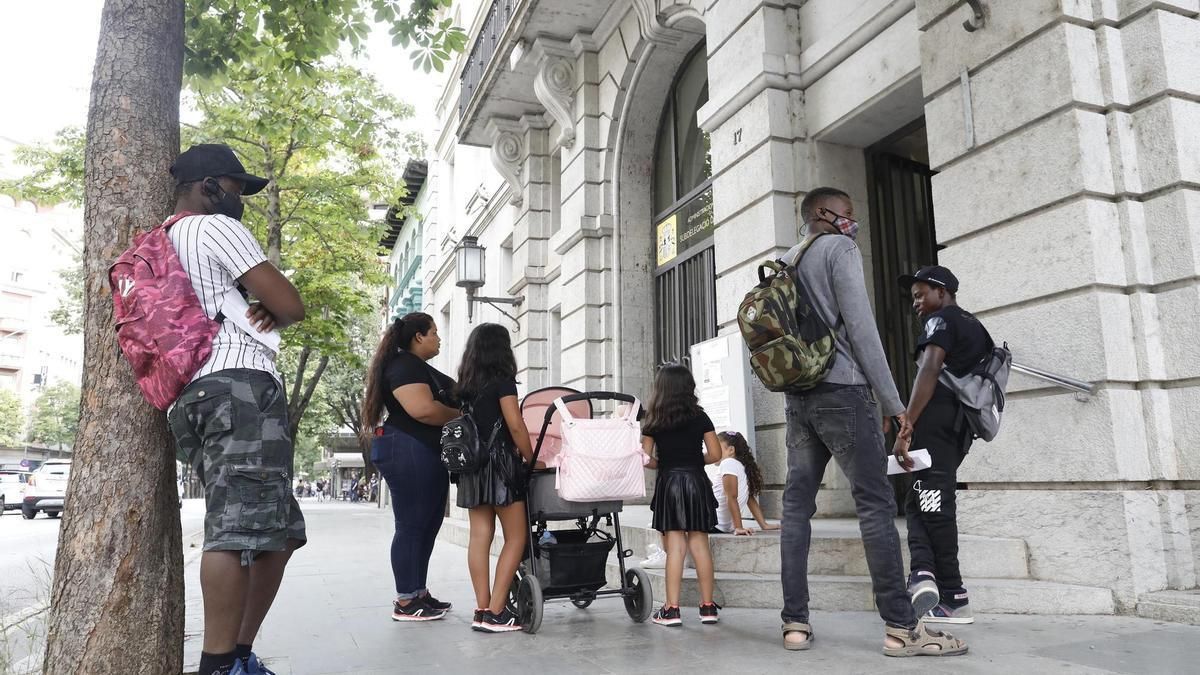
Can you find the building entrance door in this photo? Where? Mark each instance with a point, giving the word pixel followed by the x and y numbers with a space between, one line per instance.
pixel 685 280
pixel 901 203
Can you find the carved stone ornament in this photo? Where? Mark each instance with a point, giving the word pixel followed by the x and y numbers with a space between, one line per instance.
pixel 507 150
pixel 554 88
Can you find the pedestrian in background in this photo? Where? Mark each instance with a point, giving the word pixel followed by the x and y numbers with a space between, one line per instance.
pixel 406 449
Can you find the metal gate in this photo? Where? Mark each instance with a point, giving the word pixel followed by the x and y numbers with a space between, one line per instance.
pixel 903 239
pixel 685 300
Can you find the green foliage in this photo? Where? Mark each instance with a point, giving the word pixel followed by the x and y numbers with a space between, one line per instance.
pixel 12 419
pixel 56 415
pixel 57 176
pixel 330 148
pixel 291 38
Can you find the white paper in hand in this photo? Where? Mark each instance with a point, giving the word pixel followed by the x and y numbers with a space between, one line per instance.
pixel 920 458
pixel 234 307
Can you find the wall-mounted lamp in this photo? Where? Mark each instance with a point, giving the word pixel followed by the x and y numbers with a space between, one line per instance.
pixel 472 273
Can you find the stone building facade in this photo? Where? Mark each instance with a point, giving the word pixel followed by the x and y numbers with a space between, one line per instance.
pixel 648 154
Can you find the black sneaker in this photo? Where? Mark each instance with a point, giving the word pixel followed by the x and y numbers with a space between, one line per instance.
pixel 417 610
pixel 708 612
pixel 477 619
pixel 667 616
pixel 504 622
pixel 436 604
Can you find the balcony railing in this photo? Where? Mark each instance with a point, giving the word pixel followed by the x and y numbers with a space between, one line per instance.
pixel 483 50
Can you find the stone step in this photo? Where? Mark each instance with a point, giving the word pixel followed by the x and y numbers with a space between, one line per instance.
pixel 853 593
pixel 1176 606
pixel 836 549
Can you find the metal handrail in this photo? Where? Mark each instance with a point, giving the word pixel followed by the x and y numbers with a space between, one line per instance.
pixel 1063 381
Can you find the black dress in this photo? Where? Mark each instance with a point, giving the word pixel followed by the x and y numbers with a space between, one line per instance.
pixel 499 483
pixel 683 496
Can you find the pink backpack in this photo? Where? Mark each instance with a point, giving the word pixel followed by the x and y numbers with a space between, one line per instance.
pixel 161 326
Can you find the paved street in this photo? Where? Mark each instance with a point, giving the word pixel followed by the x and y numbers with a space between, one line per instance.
pixel 332 617
pixel 27 549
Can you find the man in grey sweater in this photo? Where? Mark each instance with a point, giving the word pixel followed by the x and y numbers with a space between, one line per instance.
pixel 840 418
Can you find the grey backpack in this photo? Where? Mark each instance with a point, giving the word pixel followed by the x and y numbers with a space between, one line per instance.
pixel 982 392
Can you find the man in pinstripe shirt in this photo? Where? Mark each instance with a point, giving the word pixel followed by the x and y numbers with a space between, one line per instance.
pixel 231 422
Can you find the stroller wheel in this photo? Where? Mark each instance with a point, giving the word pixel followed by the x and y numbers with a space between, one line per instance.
pixel 639 601
pixel 514 589
pixel 582 603
pixel 529 601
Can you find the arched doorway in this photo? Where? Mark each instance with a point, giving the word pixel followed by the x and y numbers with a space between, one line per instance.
pixel 684 261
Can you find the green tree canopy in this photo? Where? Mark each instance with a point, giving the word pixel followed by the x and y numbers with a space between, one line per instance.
pixel 56 415
pixel 12 419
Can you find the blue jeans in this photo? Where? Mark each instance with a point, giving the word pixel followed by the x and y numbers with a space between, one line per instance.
pixel 843 422
pixel 419 485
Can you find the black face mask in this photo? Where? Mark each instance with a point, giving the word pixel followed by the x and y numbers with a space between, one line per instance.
pixel 229 204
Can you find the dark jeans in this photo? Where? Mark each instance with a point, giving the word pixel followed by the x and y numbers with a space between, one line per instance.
pixel 841 421
pixel 930 505
pixel 419 485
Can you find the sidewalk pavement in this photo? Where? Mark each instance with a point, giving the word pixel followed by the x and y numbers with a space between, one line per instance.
pixel 333 616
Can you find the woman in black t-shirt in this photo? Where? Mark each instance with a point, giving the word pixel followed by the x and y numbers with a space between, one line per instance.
pixel 487 387
pixel 674 432
pixel 406 450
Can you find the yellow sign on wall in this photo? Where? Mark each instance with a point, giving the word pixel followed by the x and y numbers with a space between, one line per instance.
pixel 667 243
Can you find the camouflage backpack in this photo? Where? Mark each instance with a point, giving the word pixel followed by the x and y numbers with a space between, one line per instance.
pixel 791 347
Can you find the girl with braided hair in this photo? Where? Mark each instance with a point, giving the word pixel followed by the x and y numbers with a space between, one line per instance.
pixel 737 484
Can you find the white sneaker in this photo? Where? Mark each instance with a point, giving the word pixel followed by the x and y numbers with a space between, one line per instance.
pixel 656 559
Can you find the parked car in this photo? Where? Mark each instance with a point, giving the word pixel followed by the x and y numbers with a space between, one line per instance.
pixel 46 489
pixel 12 486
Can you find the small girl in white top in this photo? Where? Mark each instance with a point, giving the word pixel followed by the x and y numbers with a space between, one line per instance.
pixel 737 485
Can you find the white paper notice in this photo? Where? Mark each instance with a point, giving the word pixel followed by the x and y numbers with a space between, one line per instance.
pixel 921 460
pixel 234 307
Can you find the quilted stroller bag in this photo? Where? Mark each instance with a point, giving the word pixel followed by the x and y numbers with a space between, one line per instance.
pixel 601 459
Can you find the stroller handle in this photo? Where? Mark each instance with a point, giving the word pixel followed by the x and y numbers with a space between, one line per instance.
pixel 591 396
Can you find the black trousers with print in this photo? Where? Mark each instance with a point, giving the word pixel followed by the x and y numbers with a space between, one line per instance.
pixel 930 507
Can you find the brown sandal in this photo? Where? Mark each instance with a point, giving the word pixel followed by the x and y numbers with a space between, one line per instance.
pixel 794 627
pixel 922 641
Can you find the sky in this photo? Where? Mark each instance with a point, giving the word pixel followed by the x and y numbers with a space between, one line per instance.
pixel 49 47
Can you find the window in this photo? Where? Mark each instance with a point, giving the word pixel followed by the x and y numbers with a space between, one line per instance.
pixel 683 161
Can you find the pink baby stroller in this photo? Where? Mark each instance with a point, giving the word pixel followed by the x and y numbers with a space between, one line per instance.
pixel 569 564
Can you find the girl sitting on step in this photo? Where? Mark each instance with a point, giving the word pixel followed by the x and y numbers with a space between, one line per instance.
pixel 673 432
pixel 736 485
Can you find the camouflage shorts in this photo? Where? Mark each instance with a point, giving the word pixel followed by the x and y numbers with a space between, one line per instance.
pixel 232 428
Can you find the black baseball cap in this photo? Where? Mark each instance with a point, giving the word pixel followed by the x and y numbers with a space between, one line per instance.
pixel 213 159
pixel 934 275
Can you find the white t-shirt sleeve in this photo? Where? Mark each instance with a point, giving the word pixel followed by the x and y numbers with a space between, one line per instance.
pixel 229 242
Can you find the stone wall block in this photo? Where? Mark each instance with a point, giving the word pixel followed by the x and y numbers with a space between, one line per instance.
pixel 1172 227
pixel 1083 250
pixel 586 323
pixel 765 171
pixel 746 55
pixel 1178 329
pixel 870 72
pixel 946 49
pixel 1059 157
pixel 1043 438
pixel 1168 142
pixel 1127 8
pixel 1066 61
pixel 1184 406
pixel 1060 529
pixel 770 114
pixel 1161 53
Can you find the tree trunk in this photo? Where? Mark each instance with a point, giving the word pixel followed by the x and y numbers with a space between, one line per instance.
pixel 117 601
pixel 300 405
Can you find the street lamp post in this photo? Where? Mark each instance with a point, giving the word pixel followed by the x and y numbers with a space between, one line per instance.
pixel 472 274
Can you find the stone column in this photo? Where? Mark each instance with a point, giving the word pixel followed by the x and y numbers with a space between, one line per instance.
pixel 520 151
pixel 1069 203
